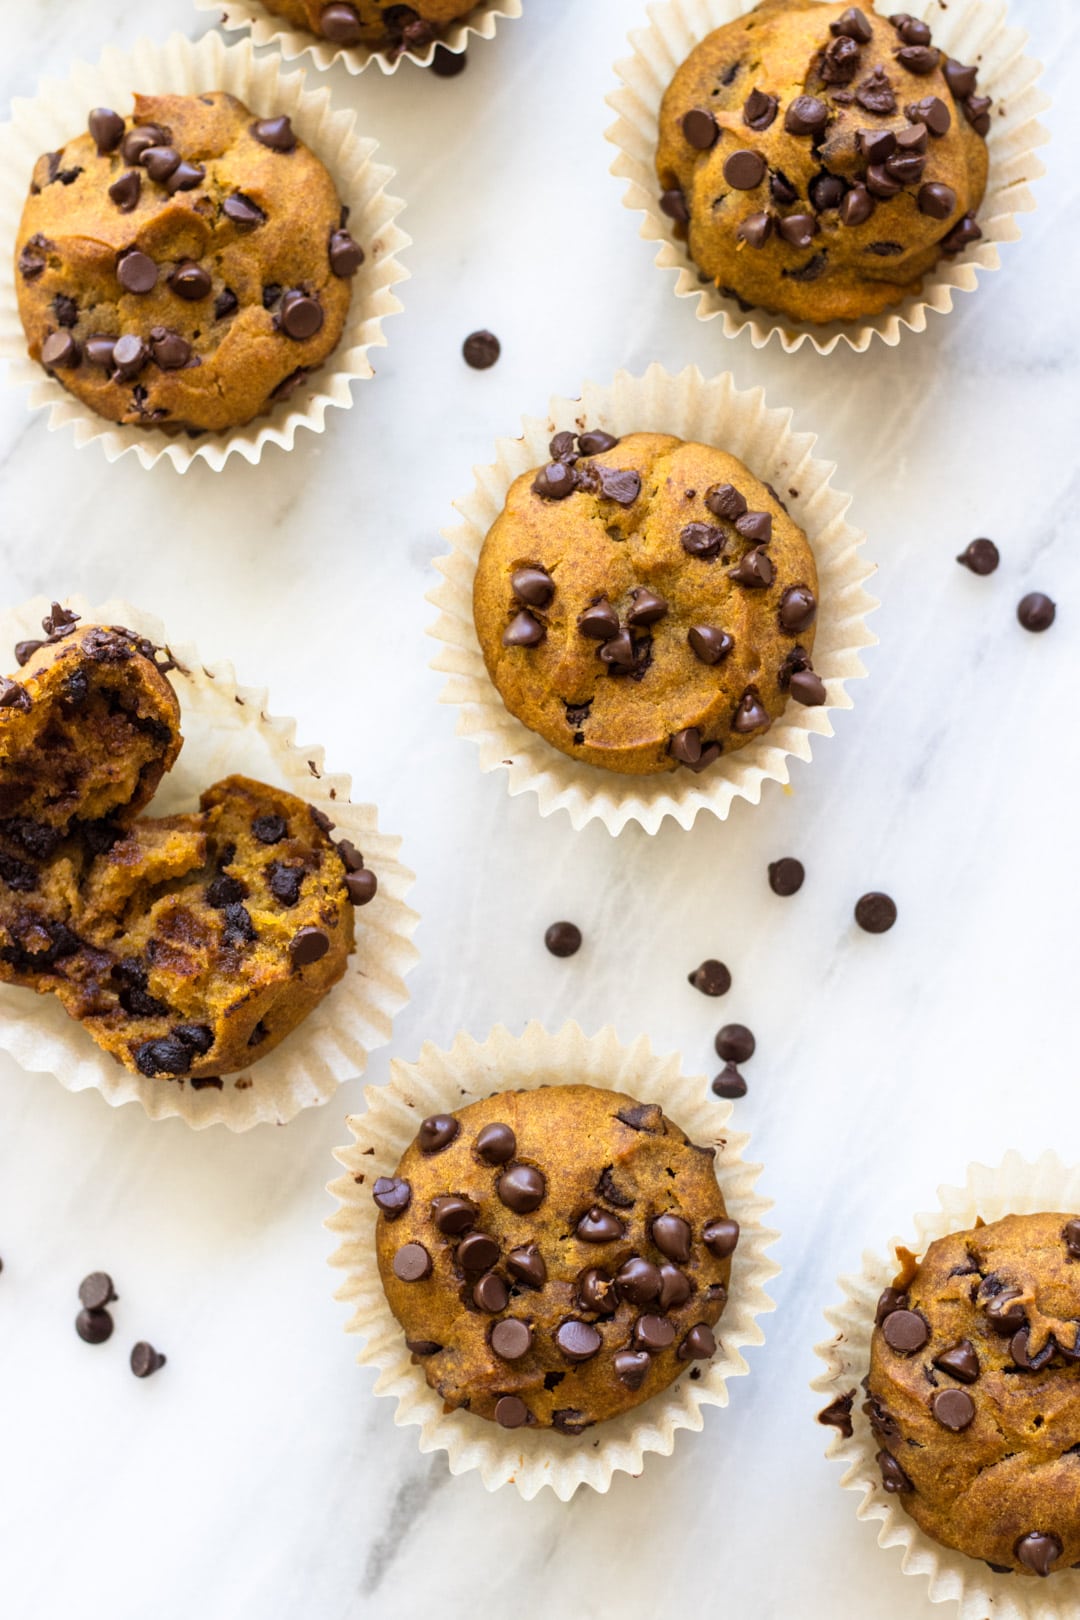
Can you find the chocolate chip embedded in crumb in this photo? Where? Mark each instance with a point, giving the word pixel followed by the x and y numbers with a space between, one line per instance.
pixel 725 501
pixel 526 1264
pixel 423 1347
pixel 340 24
pixel 875 913
pixel 168 349
pixel 936 200
pixel 490 1294
pixel 853 24
pixel 673 204
pixel 392 1195
pixel 672 1234
pixel 578 1341
pixel 1036 612
pixel 301 315
pixel 555 481
pixel 786 876
pixel 1038 1551
pixel 806 115
pixel 756 229
pixel 129 355
pixel 750 713
pixel 521 1188
pixel 702 540
pixel 721 1236
pixel 905 1332
pixel 496 1144
pixel 893 1477
pixel 960 1361
pixel 140 140
pixel 477 1253
pixel 511 1339
pixel 242 211
pixel 160 161
pixel 563 939
pixel 808 689
pixel 126 190
pixel 653 1334
pixel 837 1415
pixel 276 133
pixel 596 1292
pixel 599 1226
pixel 437 1132
pixel 631 1367
pixel 60 352
pixel 412 1263
pixel 523 631
pixel 481 350
pixel 729 1083
pixel 798 608
pixel 107 129
pixel 646 607
pixel 754 569
pixel 136 272
pixel 744 169
pixel 94 1327
pixel 980 556
pixel 361 887
pixel 698 1345
pixel 619 484
pixel 638 1281
pixel 712 978
pixel 759 110
pixel 532 586
pixel 700 128
pixel 166 1056
pixel 308 946
pixel 453 1213
pixel 510 1410
pixel 920 59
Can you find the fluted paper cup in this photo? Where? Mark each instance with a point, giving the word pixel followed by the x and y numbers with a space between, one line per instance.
pixel 267 28
pixel 710 411
pixel 441 1081
pixel 180 67
pixel 971 30
pixel 1014 1187
pixel 228 728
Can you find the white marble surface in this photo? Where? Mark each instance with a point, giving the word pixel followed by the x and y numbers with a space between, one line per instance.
pixel 257 1476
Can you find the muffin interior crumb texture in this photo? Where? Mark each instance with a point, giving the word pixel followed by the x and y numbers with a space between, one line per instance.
pixel 185 268
pixel 646 604
pixel 819 160
pixel 555 1257
pixel 973 1393
pixel 186 945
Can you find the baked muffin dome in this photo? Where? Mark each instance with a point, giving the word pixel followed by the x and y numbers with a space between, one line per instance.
pixel 821 158
pixel 974 1392
pixel 383 24
pixel 543 1285
pixel 646 603
pixel 184 268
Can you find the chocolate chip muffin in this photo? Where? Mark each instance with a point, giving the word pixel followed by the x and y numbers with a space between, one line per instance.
pixel 381 24
pixel 646 604
pixel 184 268
pixel 974 1392
pixel 187 945
pixel 819 159
pixel 553 1288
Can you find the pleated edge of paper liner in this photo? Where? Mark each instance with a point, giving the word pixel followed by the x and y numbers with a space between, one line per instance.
pixel 692 407
pixel 180 66
pixel 967 29
pixel 448 1080
pixel 268 29
pixel 1015 1187
pixel 356 1015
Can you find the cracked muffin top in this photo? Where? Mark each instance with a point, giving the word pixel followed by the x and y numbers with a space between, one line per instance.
pixel 547 1289
pixel 382 24
pixel 974 1392
pixel 184 268
pixel 819 159
pixel 645 603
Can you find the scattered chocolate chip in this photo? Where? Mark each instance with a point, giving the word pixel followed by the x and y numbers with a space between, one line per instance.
pixel 756 229
pixel 754 569
pixel 750 713
pixel 701 540
pixel 599 1226
pixel 954 1409
pixel 447 64
pixel 523 631
pixel 646 607
pixel 671 1234
pixel 521 1188
pixel 481 350
pixel 129 355
pixel 392 1195
pixel 840 61
pixel 511 1338
pixel 168 349
pixel 744 169
pixel 477 1253
pixel 1071 1236
pixel 165 1056
pixel 1020 1350
pixel 798 229
pixel 125 190
pixel 1036 611
pixel 185 177
pixel 725 501
pixel 136 272
pixel 412 1263
pixel 1038 1552
pixel 876 95
pixel 709 644
pixel 140 139
pixel 781 189
pixel 490 1293
pixel 735 1043
pixel 721 1236
pixel 700 128
pixel 145 1360
pixel 94 1327
pixel 711 978
pixel 577 1340
pixel 620 484
pixel 806 115
pixel 905 1331
pixel 960 1361
pixel 786 876
pixel 496 1144
pixel 673 204
pixel 96 1291
pixel 729 1083
pixel 276 133
pixel 936 200
pixel 932 112
pixel 596 442
pixel 698 1345
pixel 638 1281
pixel 827 191
pixel 563 939
pixel 301 315
pixel 453 1213
pixel 555 481
pixel 981 556
pixel 837 1415
pixel 60 352
pixel 853 24
pixel 527 1265
pixel 961 80
pixel 437 1132
pixel 759 110
pixel 160 161
pixel 340 24
pixel 308 945
pixel 596 1292
pixel 808 688
pixel 653 1333
pixel 107 129
pixel 875 913
pixel 242 211
pixel 962 235
pixel 892 1475
pixel 631 1367
pixel 24 651
pixel 510 1410
pixel 226 303
pixel 532 586
pixel 920 59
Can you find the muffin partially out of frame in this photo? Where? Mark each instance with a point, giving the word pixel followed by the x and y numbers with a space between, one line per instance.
pixel 555 1257
pixel 821 158
pixel 184 268
pixel 384 24
pixel 187 945
pixel 646 604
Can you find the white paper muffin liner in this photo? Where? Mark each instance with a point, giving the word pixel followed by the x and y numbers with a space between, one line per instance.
pixel 267 28
pixel 971 30
pixel 443 1081
pixel 228 729
pixel 1014 1187
pixel 711 411
pixel 180 67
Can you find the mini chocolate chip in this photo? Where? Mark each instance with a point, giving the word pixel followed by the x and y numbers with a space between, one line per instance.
pixel 125 190
pixel 786 876
pixel 477 1253
pixel 94 1327
pixel 511 1338
pixel 702 540
pixel 1004 1312
pixel 144 1360
pixel 756 229
pixel 1020 1350
pixel 781 189
pixel 521 1188
pixel 960 1361
pixel 686 746
pixel 308 945
pixel 107 128
pixel 936 200
pixel 721 1236
pixel 744 169
pixel 806 115
pixel 523 631
pixel 276 133
pixel 412 1263
pixel 750 713
pixel 981 556
pixel 190 281
pixel 631 1366
pixel 60 352
pixel 555 481
pixel 423 1347
pixel 139 140
pixel 496 1144
pixel 392 1195
pixel 436 1133
pixel 136 272
pixel 577 1340
pixel 532 586
pixel 840 61
pixel 905 1331
pixel 889 1300
pixel 711 978
pixel 129 355
pixel 875 913
pixel 1038 1551
pixel 671 1234
pixel 725 501
pixel 698 1345
pixel 700 128
pixel 1036 611
pixel 166 1056
pixel 453 1214
pixel 620 484
pixel 200 1037
pixel 653 1333
pixel 490 1293
pixel 735 1043
pixel 933 113
pixel 619 653
pixel 481 350
pixel 563 939
pixel 729 1083
pixel 526 1264
pixel 808 688
pixel 96 1291
pixel 599 1226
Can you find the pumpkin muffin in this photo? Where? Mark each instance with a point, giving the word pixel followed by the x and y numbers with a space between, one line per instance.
pixel 646 604
pixel 554 1289
pixel 820 159
pixel 184 268
pixel 382 24
pixel 189 945
pixel 974 1392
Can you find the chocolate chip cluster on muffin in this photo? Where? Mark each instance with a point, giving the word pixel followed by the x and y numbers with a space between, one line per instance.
pixel 382 24
pixel 186 945
pixel 820 159
pixel 184 268
pixel 646 603
pixel 555 1257
pixel 974 1392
